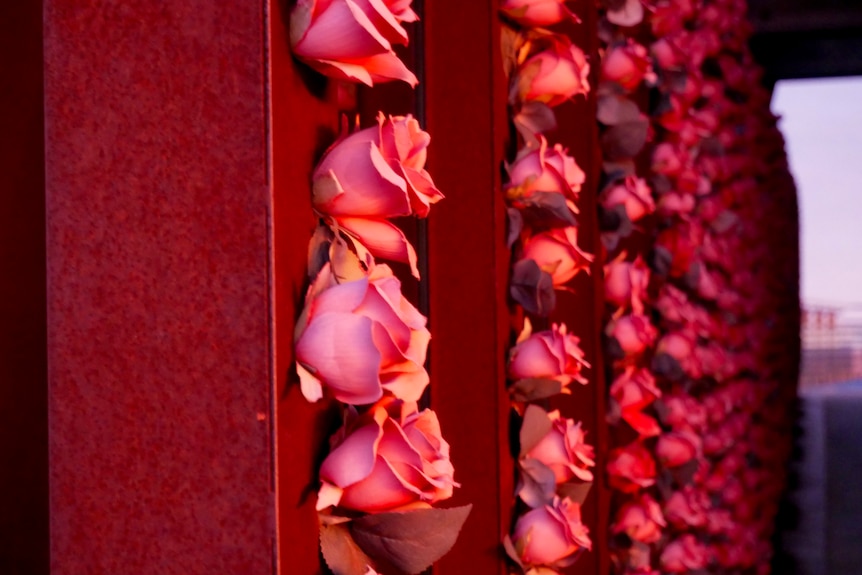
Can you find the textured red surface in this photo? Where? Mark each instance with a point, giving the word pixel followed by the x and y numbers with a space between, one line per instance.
pixel 304 123
pixel 468 267
pixel 159 288
pixel 23 372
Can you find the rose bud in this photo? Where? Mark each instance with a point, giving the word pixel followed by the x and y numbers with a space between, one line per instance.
pixel 352 39
pixel 641 519
pixel 677 448
pixel 550 535
pixel 386 458
pixel 631 468
pixel 373 174
pixel 626 283
pixel 675 204
pixel 551 354
pixel 634 333
pixel 536 13
pixel 633 194
pixel 544 169
pixel 628 65
pixel 359 338
pixel 563 450
pixel 556 252
pixel 682 555
pixel 553 75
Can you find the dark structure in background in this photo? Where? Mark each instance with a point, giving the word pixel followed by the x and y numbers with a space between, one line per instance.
pixel 807 38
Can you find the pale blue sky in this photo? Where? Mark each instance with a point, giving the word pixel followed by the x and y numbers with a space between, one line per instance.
pixel 822 123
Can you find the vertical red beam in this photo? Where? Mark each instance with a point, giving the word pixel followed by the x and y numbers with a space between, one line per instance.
pixel 581 310
pixel 305 122
pixel 468 269
pixel 159 342
pixel 23 372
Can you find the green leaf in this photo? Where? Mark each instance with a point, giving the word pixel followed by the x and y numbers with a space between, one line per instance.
pixel 409 541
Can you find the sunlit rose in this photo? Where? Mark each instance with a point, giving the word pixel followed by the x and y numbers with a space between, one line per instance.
pixel 551 535
pixel 553 75
pixel 360 338
pixel 628 65
pixel 564 451
pixel 551 354
pixel 352 39
pixel 556 252
pixel 631 468
pixel 641 519
pixel 535 13
pixel 683 554
pixel 544 169
pixel 633 391
pixel 677 448
pixel 388 457
pixel 374 174
pixel 626 283
pixel 687 508
pixel 633 194
pixel 633 332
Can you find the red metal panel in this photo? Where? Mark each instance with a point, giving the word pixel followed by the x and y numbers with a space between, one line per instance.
pixel 23 372
pixel 468 269
pixel 158 301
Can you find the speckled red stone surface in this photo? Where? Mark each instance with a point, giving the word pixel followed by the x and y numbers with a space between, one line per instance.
pixel 159 288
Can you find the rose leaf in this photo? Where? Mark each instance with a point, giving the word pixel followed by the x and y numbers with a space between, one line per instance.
pixel 683 474
pixel 613 109
pixel 533 288
pixel 318 250
pixel 534 428
pixel 550 209
pixel 575 490
pixel 534 389
pixel 625 139
pixel 409 540
pixel 340 551
pixel 516 224
pixel 538 484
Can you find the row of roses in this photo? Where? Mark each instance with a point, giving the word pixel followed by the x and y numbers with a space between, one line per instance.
pixel 358 340
pixel 545 69
pixel 696 399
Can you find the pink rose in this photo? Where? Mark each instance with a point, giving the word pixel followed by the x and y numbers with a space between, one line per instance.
pixel 633 332
pixel 641 519
pixel 686 508
pixel 626 283
pixel 628 65
pixel 668 159
pixel 633 391
pixel 564 451
pixel 545 169
pixel 683 554
pixel 536 13
pixel 352 39
pixel 386 458
pixel 633 194
pixel 551 535
pixel 359 338
pixel 374 174
pixel 551 354
pixel 553 75
pixel 677 448
pixel 556 252
pixel 631 468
